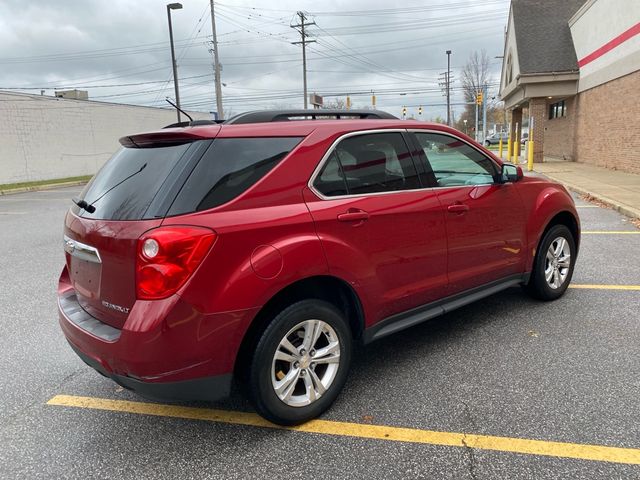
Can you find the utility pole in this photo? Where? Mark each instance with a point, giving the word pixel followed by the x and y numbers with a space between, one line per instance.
pixel 477 133
pixel 484 112
pixel 216 60
pixel 303 23
pixel 174 6
pixel 448 87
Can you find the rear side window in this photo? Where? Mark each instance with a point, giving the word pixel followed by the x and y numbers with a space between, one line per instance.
pixel 370 163
pixel 228 168
pixel 126 185
pixel 330 181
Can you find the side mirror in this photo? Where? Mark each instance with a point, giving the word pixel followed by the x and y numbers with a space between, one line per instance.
pixel 510 173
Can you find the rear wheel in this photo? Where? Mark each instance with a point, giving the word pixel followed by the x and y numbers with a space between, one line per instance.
pixel 553 266
pixel 300 363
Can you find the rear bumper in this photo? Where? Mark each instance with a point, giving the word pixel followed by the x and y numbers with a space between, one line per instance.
pixel 167 349
pixel 207 388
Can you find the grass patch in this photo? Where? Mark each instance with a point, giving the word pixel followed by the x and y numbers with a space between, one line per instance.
pixel 39 183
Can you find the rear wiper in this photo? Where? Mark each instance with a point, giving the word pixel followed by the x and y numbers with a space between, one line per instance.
pixel 83 204
pixel 89 206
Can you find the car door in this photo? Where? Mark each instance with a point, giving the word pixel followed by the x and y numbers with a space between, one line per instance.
pixel 484 220
pixel 380 229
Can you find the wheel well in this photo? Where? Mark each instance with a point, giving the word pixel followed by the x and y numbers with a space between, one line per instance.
pixel 330 289
pixel 567 219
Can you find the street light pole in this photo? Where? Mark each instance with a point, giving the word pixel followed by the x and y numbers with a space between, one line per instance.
pixel 174 6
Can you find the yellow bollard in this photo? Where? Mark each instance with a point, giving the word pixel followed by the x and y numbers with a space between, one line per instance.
pixel 530 159
pixel 530 145
pixel 509 149
pixel 516 147
pixel 500 147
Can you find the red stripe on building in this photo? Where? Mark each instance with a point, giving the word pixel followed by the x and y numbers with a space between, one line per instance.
pixel 623 37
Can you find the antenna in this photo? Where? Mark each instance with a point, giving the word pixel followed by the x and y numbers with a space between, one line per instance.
pixel 178 108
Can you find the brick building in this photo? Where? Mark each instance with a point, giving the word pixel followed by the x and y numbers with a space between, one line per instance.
pixel 573 69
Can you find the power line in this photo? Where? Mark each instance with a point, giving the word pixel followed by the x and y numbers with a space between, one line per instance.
pixel 99 86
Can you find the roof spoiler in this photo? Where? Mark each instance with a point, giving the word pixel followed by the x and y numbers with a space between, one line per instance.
pixel 194 123
pixel 266 116
pixel 166 138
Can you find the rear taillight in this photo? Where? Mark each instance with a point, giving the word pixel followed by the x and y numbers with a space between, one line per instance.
pixel 167 257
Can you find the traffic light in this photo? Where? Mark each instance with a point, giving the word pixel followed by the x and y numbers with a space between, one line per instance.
pixel 420 110
pixel 479 98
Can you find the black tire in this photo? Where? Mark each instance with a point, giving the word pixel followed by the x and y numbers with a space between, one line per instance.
pixel 262 366
pixel 538 287
pixel 487 143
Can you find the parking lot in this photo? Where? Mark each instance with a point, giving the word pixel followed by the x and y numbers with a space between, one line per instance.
pixel 507 387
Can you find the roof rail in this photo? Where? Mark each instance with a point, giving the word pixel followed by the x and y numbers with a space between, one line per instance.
pixel 265 116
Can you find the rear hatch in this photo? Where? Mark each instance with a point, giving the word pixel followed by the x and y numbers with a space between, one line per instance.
pixel 153 177
pixel 128 196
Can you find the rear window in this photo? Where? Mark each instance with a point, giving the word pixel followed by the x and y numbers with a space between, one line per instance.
pixel 127 184
pixel 228 168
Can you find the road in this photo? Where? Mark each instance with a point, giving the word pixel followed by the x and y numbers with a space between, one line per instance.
pixel 507 367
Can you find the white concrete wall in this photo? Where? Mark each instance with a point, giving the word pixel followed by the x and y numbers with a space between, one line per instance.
pixel 594 25
pixel 43 138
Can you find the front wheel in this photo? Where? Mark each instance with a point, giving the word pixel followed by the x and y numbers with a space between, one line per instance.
pixel 553 266
pixel 301 362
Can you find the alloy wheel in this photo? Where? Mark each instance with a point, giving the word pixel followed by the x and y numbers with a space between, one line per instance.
pixel 306 363
pixel 557 263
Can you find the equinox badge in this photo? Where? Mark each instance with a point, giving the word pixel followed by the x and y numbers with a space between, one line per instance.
pixel 115 307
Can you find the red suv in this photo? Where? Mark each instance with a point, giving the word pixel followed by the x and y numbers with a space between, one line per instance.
pixel 263 248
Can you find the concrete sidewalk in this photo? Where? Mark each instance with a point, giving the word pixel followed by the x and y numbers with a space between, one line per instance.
pixel 620 190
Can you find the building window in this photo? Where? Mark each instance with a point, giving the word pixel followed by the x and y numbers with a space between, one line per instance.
pixel 557 110
pixel 509 69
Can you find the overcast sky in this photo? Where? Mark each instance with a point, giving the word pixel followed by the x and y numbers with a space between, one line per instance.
pixel 119 50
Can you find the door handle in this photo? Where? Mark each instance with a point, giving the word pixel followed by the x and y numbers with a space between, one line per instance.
pixel 353 215
pixel 458 208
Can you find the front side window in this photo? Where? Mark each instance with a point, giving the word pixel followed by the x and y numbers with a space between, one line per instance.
pixel 455 163
pixel 370 163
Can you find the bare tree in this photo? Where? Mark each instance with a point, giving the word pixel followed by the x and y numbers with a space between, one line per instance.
pixel 475 74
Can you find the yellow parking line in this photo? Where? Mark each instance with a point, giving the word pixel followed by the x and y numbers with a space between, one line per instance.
pixel 378 432
pixel 605 287
pixel 611 232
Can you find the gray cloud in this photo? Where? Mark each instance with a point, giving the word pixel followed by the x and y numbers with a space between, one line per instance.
pixel 98 42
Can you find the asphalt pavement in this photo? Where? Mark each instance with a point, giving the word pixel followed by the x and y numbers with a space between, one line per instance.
pixel 507 367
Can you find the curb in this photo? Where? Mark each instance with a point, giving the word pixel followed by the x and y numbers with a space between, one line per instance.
pixel 37 188
pixel 617 206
